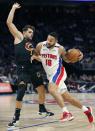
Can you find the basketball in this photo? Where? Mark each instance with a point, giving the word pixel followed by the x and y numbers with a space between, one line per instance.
pixel 74 55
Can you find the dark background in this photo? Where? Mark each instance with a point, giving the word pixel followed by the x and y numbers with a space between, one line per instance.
pixel 73 21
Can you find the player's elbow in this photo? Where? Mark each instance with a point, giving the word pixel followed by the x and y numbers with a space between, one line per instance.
pixel 8 22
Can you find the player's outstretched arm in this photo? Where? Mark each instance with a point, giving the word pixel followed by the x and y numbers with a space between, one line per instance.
pixel 12 28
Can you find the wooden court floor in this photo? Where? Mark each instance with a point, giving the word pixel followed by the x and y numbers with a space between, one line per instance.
pixel 31 121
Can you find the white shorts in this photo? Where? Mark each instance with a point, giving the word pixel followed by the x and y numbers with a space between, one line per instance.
pixel 58 79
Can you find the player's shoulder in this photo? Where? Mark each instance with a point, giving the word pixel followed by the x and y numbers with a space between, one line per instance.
pixel 59 46
pixel 18 40
pixel 61 49
pixel 42 43
pixel 39 44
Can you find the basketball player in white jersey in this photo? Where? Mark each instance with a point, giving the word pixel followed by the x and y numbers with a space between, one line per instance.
pixel 51 55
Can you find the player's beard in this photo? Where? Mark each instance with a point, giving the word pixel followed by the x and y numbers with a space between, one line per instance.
pixel 28 39
pixel 50 46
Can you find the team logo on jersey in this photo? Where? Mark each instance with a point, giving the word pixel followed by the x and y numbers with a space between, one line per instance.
pixel 28 46
pixel 49 56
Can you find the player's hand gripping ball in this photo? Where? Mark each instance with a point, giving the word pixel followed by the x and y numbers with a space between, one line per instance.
pixel 74 55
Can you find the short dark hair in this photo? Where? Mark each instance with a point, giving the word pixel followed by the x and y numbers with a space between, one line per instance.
pixel 27 27
pixel 54 34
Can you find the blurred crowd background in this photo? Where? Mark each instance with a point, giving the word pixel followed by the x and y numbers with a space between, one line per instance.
pixel 74 23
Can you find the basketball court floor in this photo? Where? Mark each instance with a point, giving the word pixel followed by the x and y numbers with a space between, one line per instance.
pixel 31 121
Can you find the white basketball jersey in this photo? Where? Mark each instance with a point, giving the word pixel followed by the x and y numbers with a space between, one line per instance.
pixel 50 58
pixel 52 64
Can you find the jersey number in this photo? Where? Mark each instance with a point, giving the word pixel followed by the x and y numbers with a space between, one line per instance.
pixel 48 62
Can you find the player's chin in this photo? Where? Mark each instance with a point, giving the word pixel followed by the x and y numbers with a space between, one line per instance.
pixel 30 38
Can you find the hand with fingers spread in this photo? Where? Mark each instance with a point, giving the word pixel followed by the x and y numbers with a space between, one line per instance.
pixel 16 6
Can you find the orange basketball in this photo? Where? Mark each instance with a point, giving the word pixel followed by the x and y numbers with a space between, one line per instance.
pixel 74 55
